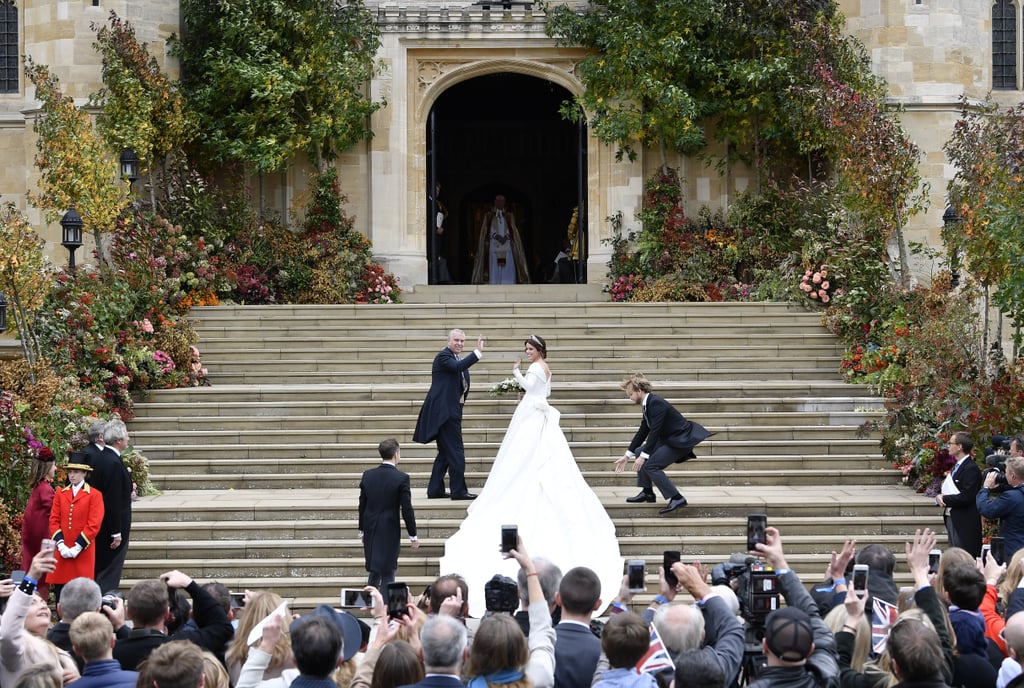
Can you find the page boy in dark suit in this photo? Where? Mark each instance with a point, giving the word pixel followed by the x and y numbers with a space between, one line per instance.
pixel 383 493
pixel 665 437
pixel 441 415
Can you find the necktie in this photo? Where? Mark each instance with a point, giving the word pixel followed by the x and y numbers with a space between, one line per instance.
pixel 465 382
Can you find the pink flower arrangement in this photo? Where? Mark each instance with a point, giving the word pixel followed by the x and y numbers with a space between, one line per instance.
pixel 622 288
pixel 145 325
pixel 816 285
pixel 165 362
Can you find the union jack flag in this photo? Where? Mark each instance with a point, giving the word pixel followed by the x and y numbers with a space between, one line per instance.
pixel 883 617
pixel 657 657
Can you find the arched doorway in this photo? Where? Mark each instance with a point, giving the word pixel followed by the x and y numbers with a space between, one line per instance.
pixel 502 133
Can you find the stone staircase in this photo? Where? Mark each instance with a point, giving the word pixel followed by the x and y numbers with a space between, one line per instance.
pixel 259 472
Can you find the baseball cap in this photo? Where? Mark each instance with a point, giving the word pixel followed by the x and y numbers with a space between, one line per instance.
pixel 789 635
pixel 349 626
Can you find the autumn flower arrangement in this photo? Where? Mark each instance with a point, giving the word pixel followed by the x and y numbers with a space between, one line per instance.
pixel 623 287
pixel 816 284
pixel 379 286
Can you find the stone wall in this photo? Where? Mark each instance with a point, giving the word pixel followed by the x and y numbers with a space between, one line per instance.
pixel 930 52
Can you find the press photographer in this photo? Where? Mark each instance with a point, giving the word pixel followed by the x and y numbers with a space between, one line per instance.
pixel 1007 505
pixel 704 631
pixel 995 462
pixel 798 646
pixel 496 647
pixel 756 588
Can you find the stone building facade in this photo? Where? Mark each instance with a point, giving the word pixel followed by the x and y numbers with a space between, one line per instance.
pixel 472 96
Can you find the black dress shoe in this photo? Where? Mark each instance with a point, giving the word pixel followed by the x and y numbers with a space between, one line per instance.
pixel 673 504
pixel 642 497
pixel 443 495
pixel 464 497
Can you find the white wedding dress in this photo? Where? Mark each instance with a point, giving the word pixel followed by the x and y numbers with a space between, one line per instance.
pixel 535 485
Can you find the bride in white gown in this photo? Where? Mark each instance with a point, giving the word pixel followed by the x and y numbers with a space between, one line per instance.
pixel 535 485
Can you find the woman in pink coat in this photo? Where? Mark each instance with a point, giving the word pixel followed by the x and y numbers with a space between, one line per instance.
pixel 35 525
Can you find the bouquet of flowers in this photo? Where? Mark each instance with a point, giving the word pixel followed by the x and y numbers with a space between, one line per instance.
pixel 816 285
pixel 506 387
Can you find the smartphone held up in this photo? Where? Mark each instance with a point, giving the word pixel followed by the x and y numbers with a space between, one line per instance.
pixel 636 571
pixel 509 538
pixel 860 580
pixel 756 524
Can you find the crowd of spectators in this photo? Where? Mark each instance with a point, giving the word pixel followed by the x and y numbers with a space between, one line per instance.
pixel 956 626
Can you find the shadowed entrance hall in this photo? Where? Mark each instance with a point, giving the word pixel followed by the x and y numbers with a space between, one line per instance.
pixel 503 133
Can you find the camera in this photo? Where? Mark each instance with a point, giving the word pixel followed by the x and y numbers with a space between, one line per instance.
pixel 501 595
pixel 755 584
pixel 110 600
pixel 996 463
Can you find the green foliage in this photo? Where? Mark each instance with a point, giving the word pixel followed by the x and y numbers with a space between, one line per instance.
pixel 926 358
pixel 24 279
pixel 10 535
pixel 107 332
pixel 662 71
pixel 988 192
pixel 779 83
pixel 329 261
pixel 753 251
pixel 140 108
pixel 273 78
pixel 75 164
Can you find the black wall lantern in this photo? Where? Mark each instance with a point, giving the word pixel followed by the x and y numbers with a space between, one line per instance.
pixel 71 234
pixel 950 219
pixel 129 166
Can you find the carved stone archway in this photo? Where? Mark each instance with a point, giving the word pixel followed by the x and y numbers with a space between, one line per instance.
pixel 430 72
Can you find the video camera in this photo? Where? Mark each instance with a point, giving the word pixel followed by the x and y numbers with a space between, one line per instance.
pixel 996 462
pixel 755 584
pixel 501 595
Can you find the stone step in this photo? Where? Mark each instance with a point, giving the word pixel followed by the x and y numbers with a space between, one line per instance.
pixel 660 533
pixel 600 394
pixel 484 408
pixel 508 313
pixel 734 363
pixel 268 375
pixel 671 341
pixel 483 435
pixel 640 357
pixel 705 502
pixel 307 451
pixel 344 546
pixel 594 468
pixel 296 423
pixel 484 294
pixel 475 480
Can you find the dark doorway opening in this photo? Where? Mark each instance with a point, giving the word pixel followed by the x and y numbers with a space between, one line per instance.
pixel 503 133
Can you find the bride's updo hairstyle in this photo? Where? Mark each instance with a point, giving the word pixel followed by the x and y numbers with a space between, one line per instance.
pixel 538 343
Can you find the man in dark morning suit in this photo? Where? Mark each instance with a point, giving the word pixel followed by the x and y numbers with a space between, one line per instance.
pixel 95 435
pixel 383 493
pixel 959 496
pixel 577 649
pixel 443 643
pixel 112 479
pixel 441 415
pixel 665 437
